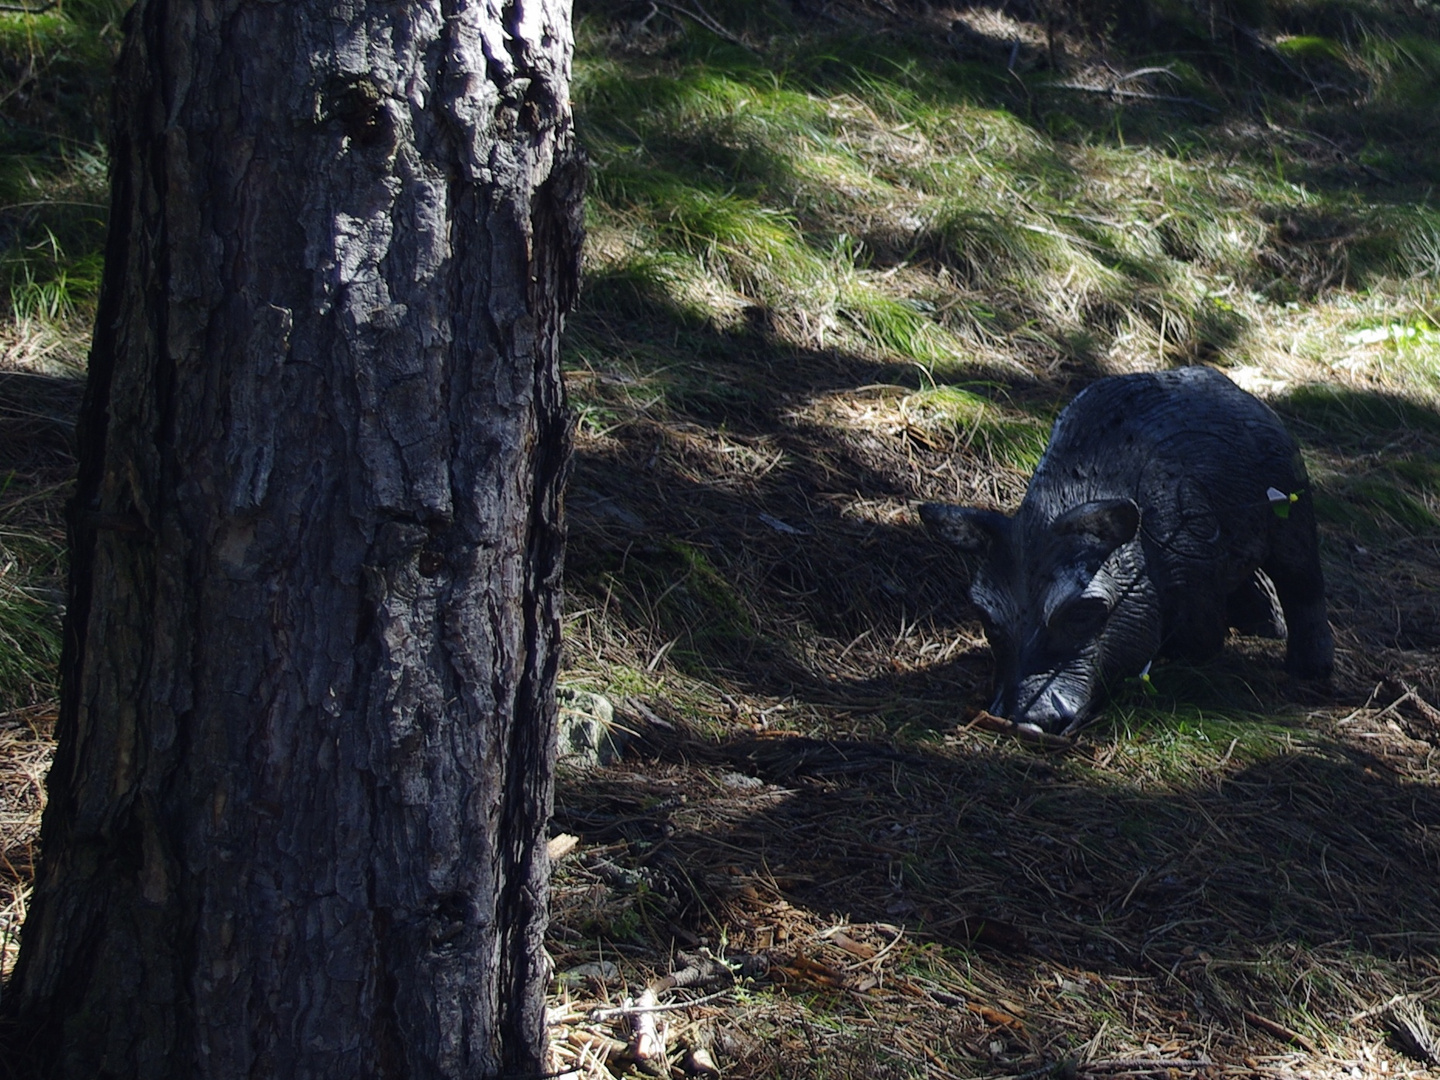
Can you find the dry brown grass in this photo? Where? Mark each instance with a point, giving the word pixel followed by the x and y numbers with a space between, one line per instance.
pixel 39 393
pixel 25 749
pixel 1243 874
pixel 1237 878
pixel 1251 893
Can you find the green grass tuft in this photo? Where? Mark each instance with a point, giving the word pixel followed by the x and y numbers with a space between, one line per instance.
pixel 999 437
pixel 1350 418
pixel 30 569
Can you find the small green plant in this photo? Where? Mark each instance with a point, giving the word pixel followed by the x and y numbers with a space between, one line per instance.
pixel 29 617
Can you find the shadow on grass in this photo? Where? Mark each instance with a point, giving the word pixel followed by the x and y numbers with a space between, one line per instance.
pixel 1294 879
pixel 725 509
pixel 37 424
pixel 1240 845
pixel 36 469
pixel 1325 846
pixel 1297 135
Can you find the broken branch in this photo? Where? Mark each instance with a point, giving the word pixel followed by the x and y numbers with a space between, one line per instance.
pixel 642 1007
pixel 1140 95
pixel 1280 1031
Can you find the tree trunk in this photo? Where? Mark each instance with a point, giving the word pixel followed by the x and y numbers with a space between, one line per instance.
pixel 296 819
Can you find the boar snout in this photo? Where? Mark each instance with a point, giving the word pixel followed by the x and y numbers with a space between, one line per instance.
pixel 1048 703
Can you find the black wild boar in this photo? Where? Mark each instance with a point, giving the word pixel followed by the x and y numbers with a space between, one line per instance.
pixel 1158 517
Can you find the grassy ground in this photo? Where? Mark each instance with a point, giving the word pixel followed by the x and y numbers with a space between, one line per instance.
pixel 54 70
pixel 845 258
pixel 841 265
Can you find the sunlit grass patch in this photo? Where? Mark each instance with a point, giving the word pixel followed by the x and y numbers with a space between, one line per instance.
pixel 1399 350
pixel 743 121
pixel 838 164
pixel 637 281
pixel 996 241
pixel 1178 741
pixel 54 214
pixel 758 246
pixel 901 327
pixel 974 424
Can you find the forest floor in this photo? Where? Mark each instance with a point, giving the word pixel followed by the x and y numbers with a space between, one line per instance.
pixel 845 258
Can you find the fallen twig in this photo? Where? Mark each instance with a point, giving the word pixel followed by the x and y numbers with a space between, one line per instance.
pixel 640 1006
pixel 645 1041
pixel 704 19
pixel 1280 1031
pixel 1025 732
pixel 1141 95
pixel 646 713
pixel 1123 1064
pixel 701 970
pixel 998 1017
pixel 1423 707
pixel 601 1045
pixel 21 9
pixel 1140 73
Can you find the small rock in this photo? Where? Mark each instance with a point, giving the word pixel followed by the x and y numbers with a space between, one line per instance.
pixel 601 970
pixel 741 782
pixel 588 736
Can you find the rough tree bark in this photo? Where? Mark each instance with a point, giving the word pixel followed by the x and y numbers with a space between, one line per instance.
pixel 296 815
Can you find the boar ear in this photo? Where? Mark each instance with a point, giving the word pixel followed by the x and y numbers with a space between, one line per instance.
pixel 1111 521
pixel 966 527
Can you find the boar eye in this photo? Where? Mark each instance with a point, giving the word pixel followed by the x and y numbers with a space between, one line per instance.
pixel 989 621
pixel 1079 620
pixel 995 628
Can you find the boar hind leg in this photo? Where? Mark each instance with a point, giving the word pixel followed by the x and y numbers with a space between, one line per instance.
pixel 1254 608
pixel 1294 567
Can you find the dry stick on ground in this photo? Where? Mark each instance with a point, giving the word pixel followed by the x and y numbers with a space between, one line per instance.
pixel 648 714
pixel 1139 73
pixel 643 1007
pixel 1423 707
pixel 21 9
pixel 699 970
pixel 646 1044
pixel 1280 1031
pixel 1025 733
pixel 1123 1064
pixel 1139 95
pixel 702 18
pixel 596 1043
